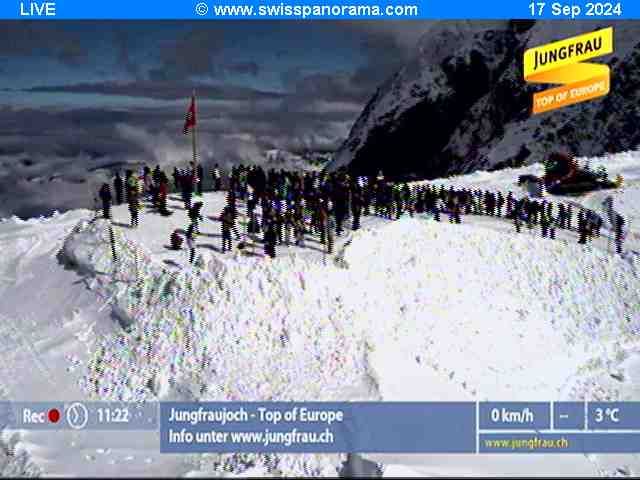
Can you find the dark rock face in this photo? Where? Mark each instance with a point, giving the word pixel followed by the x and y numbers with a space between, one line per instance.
pixel 462 104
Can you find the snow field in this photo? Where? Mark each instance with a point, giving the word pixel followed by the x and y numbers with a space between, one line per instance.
pixel 502 316
pixel 422 311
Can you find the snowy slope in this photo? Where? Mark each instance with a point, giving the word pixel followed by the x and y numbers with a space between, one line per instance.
pixel 422 311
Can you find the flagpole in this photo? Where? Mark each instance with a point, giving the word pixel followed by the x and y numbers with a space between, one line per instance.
pixel 193 130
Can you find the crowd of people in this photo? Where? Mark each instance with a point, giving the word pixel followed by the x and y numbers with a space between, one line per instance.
pixel 284 206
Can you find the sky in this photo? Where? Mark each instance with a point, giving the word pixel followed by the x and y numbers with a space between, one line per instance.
pixel 78 96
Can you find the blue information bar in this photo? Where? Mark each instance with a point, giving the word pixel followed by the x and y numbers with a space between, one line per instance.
pixel 318 427
pixel 350 427
pixel 318 9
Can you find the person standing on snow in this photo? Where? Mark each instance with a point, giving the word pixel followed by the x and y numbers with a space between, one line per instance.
pixel 562 216
pixel 146 179
pixel 190 236
pixel 510 204
pixel 228 222
pixel 618 231
pixel 438 207
pixel 289 224
pixel 187 189
pixel 134 206
pixel 322 220
pixel 252 203
pixel 127 178
pixel 270 239
pixel 356 207
pixel 499 204
pixel 118 187
pixel 299 228
pixel 582 228
pixel 176 179
pixel 200 175
pixel 105 196
pixel 163 192
pixel 217 178
pixel 133 197
pixel 195 216
pixel 330 228
pixel 518 211
pixel 545 222
pixel 489 201
pixel 454 209
pixel 366 197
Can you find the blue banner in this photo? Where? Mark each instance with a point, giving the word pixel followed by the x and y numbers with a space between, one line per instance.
pixel 350 427
pixel 318 427
pixel 318 9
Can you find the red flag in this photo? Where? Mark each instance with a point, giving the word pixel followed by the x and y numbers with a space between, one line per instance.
pixel 190 120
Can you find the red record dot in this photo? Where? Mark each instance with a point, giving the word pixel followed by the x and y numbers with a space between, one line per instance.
pixel 54 415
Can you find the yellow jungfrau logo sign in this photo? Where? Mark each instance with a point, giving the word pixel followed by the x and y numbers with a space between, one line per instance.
pixel 560 62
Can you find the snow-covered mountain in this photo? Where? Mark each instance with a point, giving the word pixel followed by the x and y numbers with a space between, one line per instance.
pixel 306 160
pixel 461 103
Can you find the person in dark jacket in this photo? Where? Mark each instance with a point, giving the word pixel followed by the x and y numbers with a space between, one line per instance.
pixel 518 210
pixel 200 174
pixel 105 196
pixel 134 206
pixel 499 204
pixel 619 232
pixel 163 193
pixel 356 207
pixel 228 221
pixel 176 179
pixel 195 215
pixel 582 228
pixel 127 177
pixel 216 177
pixel 190 236
pixel 270 239
pixel 118 187
pixel 175 240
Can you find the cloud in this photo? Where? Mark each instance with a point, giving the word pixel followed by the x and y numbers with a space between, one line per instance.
pixel 325 86
pixel 191 55
pixel 243 68
pixel 23 39
pixel 123 40
pixel 404 33
pixel 161 90
pixel 52 159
